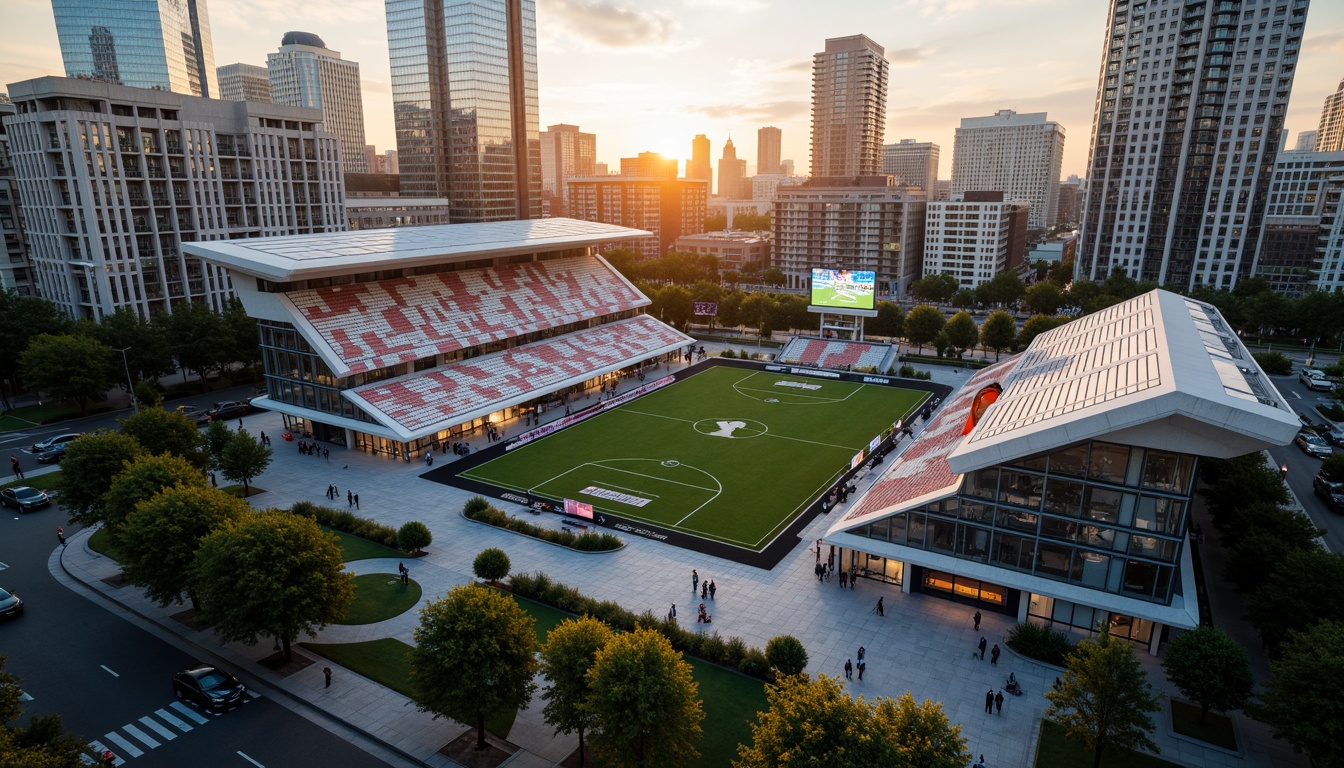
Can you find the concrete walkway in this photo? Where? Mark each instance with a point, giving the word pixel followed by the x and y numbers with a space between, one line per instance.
pixel 923 645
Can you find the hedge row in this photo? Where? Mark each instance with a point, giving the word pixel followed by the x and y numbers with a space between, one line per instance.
pixel 732 652
pixel 346 521
pixel 1040 642
pixel 479 509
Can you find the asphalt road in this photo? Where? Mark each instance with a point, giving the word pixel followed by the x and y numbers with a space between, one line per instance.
pixel 109 676
pixel 1302 468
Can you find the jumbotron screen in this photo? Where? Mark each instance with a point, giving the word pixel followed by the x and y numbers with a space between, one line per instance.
pixel 844 289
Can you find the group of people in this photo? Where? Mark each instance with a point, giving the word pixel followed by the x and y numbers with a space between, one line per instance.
pixel 351 499
pixel 863 664
pixel 707 589
pixel 993 654
pixel 461 449
pixel 493 433
pixel 313 449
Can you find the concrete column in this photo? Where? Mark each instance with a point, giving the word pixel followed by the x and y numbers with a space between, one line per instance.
pixel 905 578
pixel 1023 605
pixel 1156 642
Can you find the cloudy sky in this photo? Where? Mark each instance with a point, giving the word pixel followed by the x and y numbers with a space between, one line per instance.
pixel 650 74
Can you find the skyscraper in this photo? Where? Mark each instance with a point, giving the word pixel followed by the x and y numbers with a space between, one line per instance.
pixel 1188 126
pixel 732 173
pixel 767 149
pixel 1330 134
pixel 244 82
pixel 849 108
pixel 162 44
pixel 649 165
pixel 306 73
pixel 699 166
pixel 913 163
pixel 1019 155
pixel 464 96
pixel 1306 142
pixel 566 152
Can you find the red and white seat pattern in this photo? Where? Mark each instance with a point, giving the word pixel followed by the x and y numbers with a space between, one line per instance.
pixel 833 353
pixel 377 324
pixel 444 395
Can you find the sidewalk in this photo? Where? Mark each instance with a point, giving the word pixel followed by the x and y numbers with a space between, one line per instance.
pixel 923 645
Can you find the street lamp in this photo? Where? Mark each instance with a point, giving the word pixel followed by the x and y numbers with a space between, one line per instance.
pixel 129 383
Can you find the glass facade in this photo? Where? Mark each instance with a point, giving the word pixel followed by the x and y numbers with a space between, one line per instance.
pixel 162 44
pixel 1103 516
pixel 296 375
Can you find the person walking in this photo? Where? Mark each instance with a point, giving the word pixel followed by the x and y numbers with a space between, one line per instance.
pixel 980 764
pixel 672 614
pixel 994 654
pixel 14 465
pixel 704 591
pixel 982 647
pixel 998 702
pixel 326 673
pixel 989 701
pixel 844 578
pixel 695 581
pixel 879 609
pixel 349 498
pixel 356 501
pixel 849 670
pixel 863 660
pixel 711 589
pixel 60 535
pixel 977 621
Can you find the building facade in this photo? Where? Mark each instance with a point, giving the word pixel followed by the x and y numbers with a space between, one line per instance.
pixel 1306 141
pixel 849 108
pixel 734 249
pixel 768 142
pixel 115 180
pixel 306 73
pixel 566 152
pixel 1189 121
pixel 700 166
pixel 665 209
pixel 1303 203
pixel 734 184
pixel 764 187
pixel 244 82
pixel 974 237
pixel 913 163
pixel 1018 155
pixel 1330 133
pixel 649 165
pixel 14 269
pixel 161 44
pixel 464 99
pixel 863 224
pixel 1066 210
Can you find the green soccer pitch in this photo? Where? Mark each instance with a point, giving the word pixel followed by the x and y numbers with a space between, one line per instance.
pixel 730 454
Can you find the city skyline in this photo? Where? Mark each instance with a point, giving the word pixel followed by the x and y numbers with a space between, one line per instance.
pixel 597 59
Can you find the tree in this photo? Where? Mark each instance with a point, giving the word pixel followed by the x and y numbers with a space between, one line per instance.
pixel 140 481
pixel 923 324
pixel 1301 700
pixel 1105 698
pixel 1210 668
pixel 964 298
pixel 161 431
pixel 148 355
pixel 786 654
pixel 1290 600
pixel 645 701
pixel 242 333
pixel 677 305
pixel 217 437
pixel 44 743
pixel 755 311
pixel 195 331
pixel 625 260
pixel 473 656
pixel 716 222
pixel 890 320
pixel 271 574
pixel 161 536
pixel 24 318
pixel 773 277
pixel 11 696
pixel 962 332
pixel 1332 468
pixel 243 459
pixel 414 536
pixel 1005 289
pixel 570 651
pixel 938 289
pixel 999 332
pixel 75 368
pixel 491 564
pixel 916 735
pixel 1036 325
pixel 1043 298
pixel 90 464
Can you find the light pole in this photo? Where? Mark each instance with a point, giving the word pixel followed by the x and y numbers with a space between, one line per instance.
pixel 129 383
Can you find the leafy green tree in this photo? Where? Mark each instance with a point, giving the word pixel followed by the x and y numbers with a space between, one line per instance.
pixel 491 564
pixel 1036 325
pixel 570 651
pixel 148 354
pixel 755 312
pixel 75 368
pixel 964 298
pixel 162 535
pixel 646 702
pixel 414 536
pixel 1211 668
pixel 916 735
pixel 217 437
pixel 1301 700
pixel 1289 600
pixel 786 654
pixel 11 696
pixel 271 574
pixel 752 222
pixel 90 464
pixel 923 324
pixel 1105 699
pixel 716 222
pixel 730 309
pixel 1061 273
pixel 243 459
pixel 161 431
pixel 890 320
pixel 1250 551
pixel 1243 482
pixel 1333 467
pixel 194 332
pixel 1043 298
pixel 938 289
pixel 473 656
pixel 999 332
pixel 1003 290
pixel 243 343
pixel 140 481
pixel 24 318
pixel 773 277
pixel 962 332
pixel 625 260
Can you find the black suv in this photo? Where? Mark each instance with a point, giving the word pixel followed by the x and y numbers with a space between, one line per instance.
pixel 1332 492
pixel 229 409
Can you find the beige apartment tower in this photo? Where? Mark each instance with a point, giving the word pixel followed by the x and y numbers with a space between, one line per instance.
pixel 849 108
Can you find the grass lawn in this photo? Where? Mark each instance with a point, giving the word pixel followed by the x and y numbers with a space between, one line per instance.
pixel 731 701
pixel 1217 730
pixel 380 596
pixel 11 424
pixel 688 456
pixel 355 548
pixel 1055 751
pixel 50 412
pixel 45 482
pixel 98 543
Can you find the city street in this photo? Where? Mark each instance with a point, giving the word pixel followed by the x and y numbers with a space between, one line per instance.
pixel 1303 468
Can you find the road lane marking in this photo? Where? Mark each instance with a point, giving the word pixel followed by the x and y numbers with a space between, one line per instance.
pixel 2 565
pixel 172 720
pixel 127 748
pixel 250 760
pixel 154 726
pixel 189 712
pixel 108 671
pixel 141 736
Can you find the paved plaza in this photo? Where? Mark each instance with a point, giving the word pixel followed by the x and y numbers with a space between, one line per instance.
pixel 923 644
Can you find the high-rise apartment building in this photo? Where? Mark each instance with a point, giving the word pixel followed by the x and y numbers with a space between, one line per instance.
pixel 650 165
pixel 850 223
pixel 244 82
pixel 1066 210
pixel 974 236
pixel 163 44
pixel 768 142
pixel 733 180
pixel 668 208
pixel 1330 133
pixel 1018 155
pixel 849 108
pixel 566 152
pixel 1306 141
pixel 913 163
pixel 306 73
pixel 699 166
pixel 1303 204
pixel 14 271
pixel 464 97
pixel 114 180
pixel 1189 120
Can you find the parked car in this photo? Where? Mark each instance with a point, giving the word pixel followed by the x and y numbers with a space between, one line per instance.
pixel 53 442
pixel 208 688
pixel 10 605
pixel 198 415
pixel 1331 491
pixel 1312 445
pixel 229 409
pixel 24 499
pixel 1320 384
pixel 1333 436
pixel 1310 373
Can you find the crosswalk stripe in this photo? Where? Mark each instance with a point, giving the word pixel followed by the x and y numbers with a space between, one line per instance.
pixel 140 736
pixel 154 726
pixel 127 748
pixel 189 712
pixel 252 694
pixel 173 720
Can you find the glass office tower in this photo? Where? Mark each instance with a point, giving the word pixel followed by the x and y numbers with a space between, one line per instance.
pixel 464 91
pixel 163 44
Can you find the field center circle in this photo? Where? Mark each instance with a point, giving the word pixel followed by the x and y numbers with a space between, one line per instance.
pixel 730 427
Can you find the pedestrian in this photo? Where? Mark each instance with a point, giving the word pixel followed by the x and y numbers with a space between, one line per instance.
pixel 994 654
pixel 980 764
pixel 240 425
pixel 1283 471
pixel 844 577
pixel 429 458
pixel 335 493
pixel 349 499
pixel 982 647
pixel 14 464
pixel 849 670
pixel 977 621
pixel 109 758
pixel 214 482
pixel 326 454
pixel 818 550
pixel 704 591
pixel 60 535
pixel 879 609
pixel 998 702
pixel 695 581
pixel 356 501
pixel 264 439
pixel 326 673
pixel 711 589
pixel 329 487
pixel 852 578
pixel 989 701
pixel 863 665
pixel 672 614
